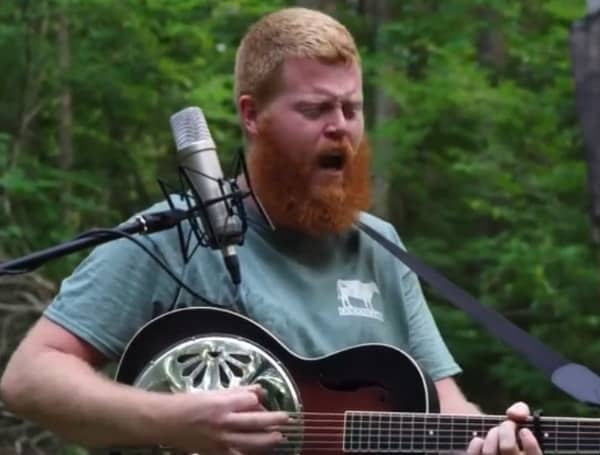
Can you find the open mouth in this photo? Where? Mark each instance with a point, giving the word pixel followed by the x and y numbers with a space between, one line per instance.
pixel 332 161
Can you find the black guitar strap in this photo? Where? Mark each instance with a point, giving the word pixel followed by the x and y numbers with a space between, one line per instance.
pixel 576 380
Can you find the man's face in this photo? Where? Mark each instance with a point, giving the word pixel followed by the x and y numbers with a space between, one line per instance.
pixel 319 106
pixel 309 159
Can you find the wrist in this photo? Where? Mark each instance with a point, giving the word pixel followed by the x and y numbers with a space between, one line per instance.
pixel 141 419
pixel 159 419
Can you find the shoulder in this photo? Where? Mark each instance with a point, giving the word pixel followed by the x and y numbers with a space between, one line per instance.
pixel 133 253
pixel 388 231
pixel 383 227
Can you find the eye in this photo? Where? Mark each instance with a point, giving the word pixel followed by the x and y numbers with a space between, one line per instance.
pixel 351 109
pixel 312 111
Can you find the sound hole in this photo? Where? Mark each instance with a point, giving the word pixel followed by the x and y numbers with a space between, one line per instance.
pixel 236 369
pixel 244 358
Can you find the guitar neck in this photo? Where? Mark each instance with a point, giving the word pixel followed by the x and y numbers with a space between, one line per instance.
pixel 408 432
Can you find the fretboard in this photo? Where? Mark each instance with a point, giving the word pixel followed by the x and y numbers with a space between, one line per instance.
pixel 411 433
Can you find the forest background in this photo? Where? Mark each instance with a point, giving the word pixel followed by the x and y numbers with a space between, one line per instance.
pixel 479 155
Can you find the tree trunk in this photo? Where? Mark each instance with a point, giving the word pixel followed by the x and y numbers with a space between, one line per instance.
pixel 30 102
pixel 383 108
pixel 491 43
pixel 585 50
pixel 66 114
pixel 65 128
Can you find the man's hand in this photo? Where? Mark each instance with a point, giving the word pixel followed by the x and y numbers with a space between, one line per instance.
pixel 502 439
pixel 221 422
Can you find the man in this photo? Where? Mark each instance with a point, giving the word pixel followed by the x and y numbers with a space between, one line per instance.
pixel 299 97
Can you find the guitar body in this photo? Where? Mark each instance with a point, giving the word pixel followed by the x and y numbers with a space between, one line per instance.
pixel 208 348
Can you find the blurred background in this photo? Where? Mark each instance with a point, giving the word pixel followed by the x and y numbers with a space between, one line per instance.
pixel 480 157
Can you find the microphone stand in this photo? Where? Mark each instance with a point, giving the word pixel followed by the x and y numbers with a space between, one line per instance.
pixel 145 224
pixel 158 221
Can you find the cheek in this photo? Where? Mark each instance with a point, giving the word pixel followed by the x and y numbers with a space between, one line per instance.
pixel 300 133
pixel 356 135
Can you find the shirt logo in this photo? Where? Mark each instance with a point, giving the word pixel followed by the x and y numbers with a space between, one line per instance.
pixel 356 299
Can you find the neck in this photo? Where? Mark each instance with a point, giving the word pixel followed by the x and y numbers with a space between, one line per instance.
pixel 407 432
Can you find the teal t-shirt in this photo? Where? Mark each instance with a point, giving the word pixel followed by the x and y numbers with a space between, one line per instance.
pixel 316 295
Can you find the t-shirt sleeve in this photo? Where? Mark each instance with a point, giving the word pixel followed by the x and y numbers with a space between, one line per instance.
pixel 425 341
pixel 426 344
pixel 111 294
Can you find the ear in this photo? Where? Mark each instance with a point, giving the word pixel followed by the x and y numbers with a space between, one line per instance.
pixel 248 114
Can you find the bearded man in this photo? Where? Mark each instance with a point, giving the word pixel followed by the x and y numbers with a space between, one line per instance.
pixel 299 97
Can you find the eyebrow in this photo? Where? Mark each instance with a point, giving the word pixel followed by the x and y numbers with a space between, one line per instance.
pixel 328 98
pixel 326 92
pixel 323 92
pixel 327 102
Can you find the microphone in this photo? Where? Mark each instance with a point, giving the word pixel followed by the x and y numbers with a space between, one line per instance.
pixel 200 164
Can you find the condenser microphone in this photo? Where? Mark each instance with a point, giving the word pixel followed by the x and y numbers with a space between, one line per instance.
pixel 200 164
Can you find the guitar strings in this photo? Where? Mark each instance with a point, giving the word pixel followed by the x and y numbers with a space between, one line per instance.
pixel 405 443
pixel 435 416
pixel 430 422
pixel 385 434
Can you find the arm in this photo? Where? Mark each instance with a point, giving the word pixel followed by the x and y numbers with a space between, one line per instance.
pixel 452 400
pixel 51 380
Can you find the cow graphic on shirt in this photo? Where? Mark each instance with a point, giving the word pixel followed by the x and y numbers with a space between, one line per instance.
pixel 356 299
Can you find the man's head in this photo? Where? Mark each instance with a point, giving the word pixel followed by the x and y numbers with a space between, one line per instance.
pixel 299 92
pixel 285 34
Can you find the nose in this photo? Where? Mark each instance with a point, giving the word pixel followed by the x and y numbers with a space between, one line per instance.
pixel 337 124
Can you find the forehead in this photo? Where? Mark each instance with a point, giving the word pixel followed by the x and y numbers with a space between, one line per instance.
pixel 308 77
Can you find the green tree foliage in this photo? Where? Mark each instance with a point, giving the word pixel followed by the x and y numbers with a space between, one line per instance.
pixel 485 167
pixel 489 181
pixel 133 65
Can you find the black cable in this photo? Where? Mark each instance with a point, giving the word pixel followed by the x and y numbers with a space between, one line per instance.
pixel 14 272
pixel 153 256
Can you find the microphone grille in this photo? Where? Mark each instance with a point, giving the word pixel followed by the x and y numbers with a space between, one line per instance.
pixel 190 129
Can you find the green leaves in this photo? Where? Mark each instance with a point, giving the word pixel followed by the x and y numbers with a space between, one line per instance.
pixel 488 179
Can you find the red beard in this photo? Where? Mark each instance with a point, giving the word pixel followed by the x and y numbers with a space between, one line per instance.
pixel 281 184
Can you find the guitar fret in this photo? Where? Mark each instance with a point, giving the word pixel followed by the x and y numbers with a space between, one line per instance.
pixel 446 432
pixel 432 434
pixel 345 431
pixel 390 431
pixel 359 436
pixel 437 436
pixel 364 435
pixel 422 429
pixel 369 432
pixel 556 436
pixel 372 434
pixel 380 432
pixel 411 435
pixel 484 428
pixel 577 436
pixel 428 433
pixel 403 432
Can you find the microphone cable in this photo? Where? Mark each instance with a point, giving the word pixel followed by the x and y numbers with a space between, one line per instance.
pixel 153 255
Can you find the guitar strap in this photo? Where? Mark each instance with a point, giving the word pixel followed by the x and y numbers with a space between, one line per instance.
pixel 576 380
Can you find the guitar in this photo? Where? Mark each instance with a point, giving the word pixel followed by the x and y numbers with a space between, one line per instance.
pixel 370 398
